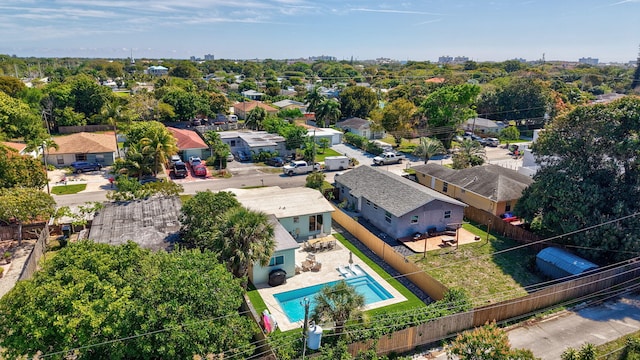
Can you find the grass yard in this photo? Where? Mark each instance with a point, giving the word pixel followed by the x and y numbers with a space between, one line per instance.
pixel 487 278
pixel 615 350
pixel 327 152
pixel 68 189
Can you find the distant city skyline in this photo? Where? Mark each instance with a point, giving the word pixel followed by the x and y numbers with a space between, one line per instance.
pixel 422 30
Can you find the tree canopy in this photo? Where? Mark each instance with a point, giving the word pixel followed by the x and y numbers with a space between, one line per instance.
pixel 589 159
pixel 448 107
pixel 20 171
pixel 123 302
pixel 18 120
pixel 357 101
pixel 488 342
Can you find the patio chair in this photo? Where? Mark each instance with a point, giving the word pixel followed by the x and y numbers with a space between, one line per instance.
pixel 316 267
pixel 298 269
pixel 311 257
pixel 317 246
pixel 307 265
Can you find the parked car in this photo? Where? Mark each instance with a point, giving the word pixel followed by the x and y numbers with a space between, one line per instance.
pixel 180 170
pixel 276 161
pixel 199 170
pixel 174 159
pixel 82 166
pixel 243 156
pixel 194 161
pixel 230 157
pixel 493 142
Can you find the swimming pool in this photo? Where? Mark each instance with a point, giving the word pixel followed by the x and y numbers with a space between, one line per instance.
pixel 290 300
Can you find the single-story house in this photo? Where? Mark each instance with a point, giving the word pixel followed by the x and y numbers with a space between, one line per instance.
pixel 290 104
pixel 252 94
pixel 152 223
pixel 397 206
pixel 283 258
pixel 254 142
pixel 491 188
pixel 83 146
pixel 334 136
pixel 243 108
pixel 360 127
pixel 157 70
pixel 190 144
pixel 21 148
pixel 484 126
pixel 301 213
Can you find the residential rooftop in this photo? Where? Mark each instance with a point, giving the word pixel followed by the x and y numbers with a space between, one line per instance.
pixel 283 203
pixel 391 192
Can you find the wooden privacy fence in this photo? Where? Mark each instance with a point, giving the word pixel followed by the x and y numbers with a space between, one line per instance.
pixel 31 264
pixel 500 226
pixel 606 281
pixel 609 280
pixel 410 338
pixel 574 288
pixel 415 274
pixel 83 128
pixel 29 231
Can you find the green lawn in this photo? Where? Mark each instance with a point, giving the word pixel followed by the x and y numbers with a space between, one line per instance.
pixel 327 152
pixel 68 189
pixel 614 350
pixel 473 267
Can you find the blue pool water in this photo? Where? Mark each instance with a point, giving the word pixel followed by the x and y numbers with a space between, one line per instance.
pixel 290 300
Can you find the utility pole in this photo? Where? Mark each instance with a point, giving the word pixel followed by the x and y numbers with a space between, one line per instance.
pixel 305 302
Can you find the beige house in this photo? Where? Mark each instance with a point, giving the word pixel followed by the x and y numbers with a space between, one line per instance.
pixel 83 146
pixel 242 109
pixel 492 188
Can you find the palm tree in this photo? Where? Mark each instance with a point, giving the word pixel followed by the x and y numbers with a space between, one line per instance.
pixel 338 303
pixel 246 237
pixel 255 118
pixel 470 153
pixel 428 147
pixel 111 111
pixel 313 99
pixel 218 148
pixel 159 146
pixel 136 164
pixel 328 112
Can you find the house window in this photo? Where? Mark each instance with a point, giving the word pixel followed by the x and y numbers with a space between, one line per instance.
pixel 276 260
pixel 315 223
pixel 60 159
pixel 81 157
pixel 447 214
pixel 387 216
pixel 100 158
pixel 296 219
pixel 232 143
pixel 445 187
pixel 375 206
pixel 368 202
pixel 414 219
pixel 507 206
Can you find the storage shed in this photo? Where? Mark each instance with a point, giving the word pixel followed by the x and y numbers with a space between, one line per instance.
pixel 557 263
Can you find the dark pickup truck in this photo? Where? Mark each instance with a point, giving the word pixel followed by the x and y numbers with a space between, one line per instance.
pixel 180 169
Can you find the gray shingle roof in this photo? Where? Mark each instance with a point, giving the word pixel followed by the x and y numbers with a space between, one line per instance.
pixel 151 223
pixel 389 191
pixel 491 181
pixel 354 123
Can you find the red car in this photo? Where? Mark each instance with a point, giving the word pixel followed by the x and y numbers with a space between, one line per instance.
pixel 200 170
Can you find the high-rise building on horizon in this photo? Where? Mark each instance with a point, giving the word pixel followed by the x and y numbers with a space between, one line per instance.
pixel 588 61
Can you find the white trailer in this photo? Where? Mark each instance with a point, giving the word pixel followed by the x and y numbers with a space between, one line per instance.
pixel 333 163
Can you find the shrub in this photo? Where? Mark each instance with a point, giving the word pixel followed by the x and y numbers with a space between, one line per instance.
pixel 374 148
pixel 510 133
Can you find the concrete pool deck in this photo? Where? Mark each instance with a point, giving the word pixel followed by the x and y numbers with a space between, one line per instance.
pixel 331 260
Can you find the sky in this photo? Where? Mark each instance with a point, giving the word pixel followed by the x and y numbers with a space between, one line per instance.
pixel 402 30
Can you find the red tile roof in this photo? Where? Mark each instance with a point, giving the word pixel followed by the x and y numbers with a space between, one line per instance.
pixel 188 139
